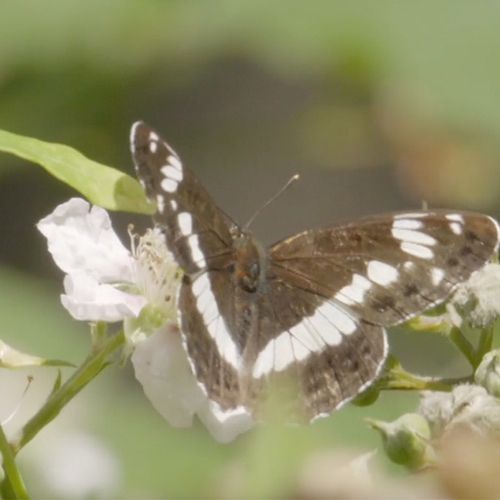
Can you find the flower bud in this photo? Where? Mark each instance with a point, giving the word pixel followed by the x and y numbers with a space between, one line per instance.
pixel 406 440
pixel 488 373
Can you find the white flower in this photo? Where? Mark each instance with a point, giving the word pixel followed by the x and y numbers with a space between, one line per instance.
pixel 106 282
pixel 467 405
pixel 23 392
pixel 479 297
pixel 86 248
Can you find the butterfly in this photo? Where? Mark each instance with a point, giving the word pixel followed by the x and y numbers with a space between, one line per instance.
pixel 311 309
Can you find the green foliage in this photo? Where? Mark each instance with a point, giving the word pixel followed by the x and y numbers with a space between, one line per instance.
pixel 101 185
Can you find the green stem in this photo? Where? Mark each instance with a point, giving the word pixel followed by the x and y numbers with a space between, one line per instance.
pixel 13 483
pixel 411 382
pixel 91 367
pixel 464 346
pixel 484 345
pixel 395 377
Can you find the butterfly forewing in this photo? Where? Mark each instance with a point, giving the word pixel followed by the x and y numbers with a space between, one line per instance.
pixel 312 310
pixel 194 227
pixel 390 267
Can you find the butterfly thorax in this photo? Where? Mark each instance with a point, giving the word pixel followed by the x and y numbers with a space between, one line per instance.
pixel 250 260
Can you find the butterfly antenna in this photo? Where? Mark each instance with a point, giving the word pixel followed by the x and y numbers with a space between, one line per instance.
pixel 268 202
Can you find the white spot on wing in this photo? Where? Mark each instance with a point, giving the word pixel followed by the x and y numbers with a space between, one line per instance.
pixel 381 273
pixel 174 205
pixel 153 147
pixel 169 185
pixel 301 333
pixel 437 275
pixel 283 352
pixel 153 137
pixel 456 227
pixel 207 307
pixel 318 339
pixel 172 173
pixel 407 224
pixel 185 223
pixel 410 236
pixel 175 162
pixel 300 351
pixel 417 250
pixel 160 203
pixel 265 360
pixel 200 284
pixel 411 215
pixel 338 319
pixel 196 253
pixel 409 265
pixel 455 218
pixel 325 327
pixel 355 292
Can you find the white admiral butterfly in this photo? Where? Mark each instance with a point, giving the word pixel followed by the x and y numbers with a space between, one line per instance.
pixel 312 308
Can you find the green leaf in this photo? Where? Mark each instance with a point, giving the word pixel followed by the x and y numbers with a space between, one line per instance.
pixel 57 383
pixel 101 185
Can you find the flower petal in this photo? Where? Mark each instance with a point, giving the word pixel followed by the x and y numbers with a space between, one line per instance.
pixel 161 366
pixel 80 239
pixel 88 300
pixel 12 358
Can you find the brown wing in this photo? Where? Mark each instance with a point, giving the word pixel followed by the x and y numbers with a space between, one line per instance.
pixel 196 230
pixel 330 292
pixel 388 268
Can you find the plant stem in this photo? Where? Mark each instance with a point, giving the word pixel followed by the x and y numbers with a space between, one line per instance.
pixel 91 367
pixel 13 482
pixel 484 345
pixel 464 346
pixel 395 377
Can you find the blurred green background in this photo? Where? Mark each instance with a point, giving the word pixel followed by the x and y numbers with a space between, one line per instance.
pixel 379 105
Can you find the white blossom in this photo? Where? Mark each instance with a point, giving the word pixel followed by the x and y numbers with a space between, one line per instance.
pixel 106 282
pixel 479 297
pixel 84 245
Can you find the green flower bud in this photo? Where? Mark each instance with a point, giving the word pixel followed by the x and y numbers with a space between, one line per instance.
pixel 406 440
pixel 488 373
